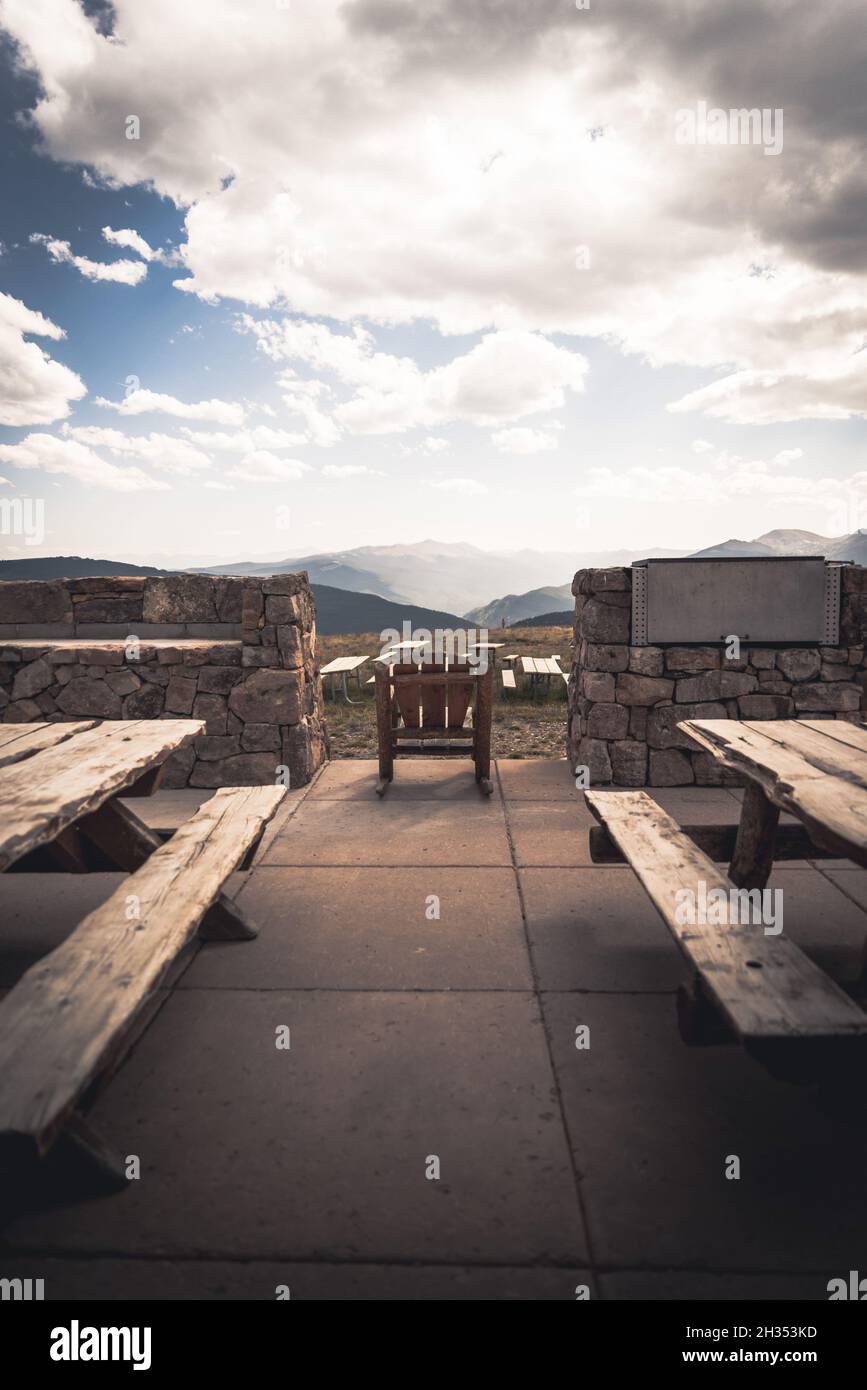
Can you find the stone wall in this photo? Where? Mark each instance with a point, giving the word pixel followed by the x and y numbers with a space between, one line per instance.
pixel 238 653
pixel 625 701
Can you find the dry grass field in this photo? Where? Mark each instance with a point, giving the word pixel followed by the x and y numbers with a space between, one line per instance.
pixel 523 727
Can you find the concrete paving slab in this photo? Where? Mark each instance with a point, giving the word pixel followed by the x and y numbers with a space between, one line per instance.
pixel 39 911
pixel 550 833
pixel 415 779
pixel 169 809
pixel 677 1285
pixel 414 833
pixel 697 805
pixel 596 929
pixel 653 1124
pixel 537 779
pixel 823 920
pixel 320 1151
pixel 260 1280
pixel 362 928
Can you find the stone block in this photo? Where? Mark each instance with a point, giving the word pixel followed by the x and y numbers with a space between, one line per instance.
pixel 714 685
pixel 844 695
pixel 799 663
pixel 218 680
pixel 260 738
pixel 35 601
pixel 238 770
pixel 211 708
pixel 210 747
pixel 180 598
pixel 593 754
pixel 628 763
pixel 662 730
pixel 603 657
pixel 180 694
pixel 608 721
pixel 670 768
pixel 146 703
pixel 646 661
pixel 289 646
pixel 268 697
pixel 686 661
pixel 88 697
pixel 642 690
pixel 121 682
pixel 762 658
pixel 764 706
pixel 33 678
pixel 597 685
pixel 602 623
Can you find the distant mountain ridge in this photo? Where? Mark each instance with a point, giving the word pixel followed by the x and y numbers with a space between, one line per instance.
pixel 432 579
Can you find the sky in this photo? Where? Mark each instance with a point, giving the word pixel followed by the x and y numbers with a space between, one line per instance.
pixel 280 277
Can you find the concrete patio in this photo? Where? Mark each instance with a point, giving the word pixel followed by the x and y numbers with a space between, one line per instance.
pixel 414 1035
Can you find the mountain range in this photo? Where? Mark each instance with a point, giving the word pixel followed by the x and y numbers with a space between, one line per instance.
pixel 373 587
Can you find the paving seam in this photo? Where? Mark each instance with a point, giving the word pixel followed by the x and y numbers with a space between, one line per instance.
pixel 591 1263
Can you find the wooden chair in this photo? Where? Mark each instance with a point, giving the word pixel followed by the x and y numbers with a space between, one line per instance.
pixel 421 710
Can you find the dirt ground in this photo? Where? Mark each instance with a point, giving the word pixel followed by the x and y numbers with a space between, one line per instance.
pixel 522 727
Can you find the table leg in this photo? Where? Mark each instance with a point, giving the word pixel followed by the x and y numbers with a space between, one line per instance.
pixel 125 840
pixel 753 857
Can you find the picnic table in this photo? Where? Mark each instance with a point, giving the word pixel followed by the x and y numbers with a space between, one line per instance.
pixel 540 668
pixel 749 984
pixel 486 647
pixel 70 1019
pixel 343 666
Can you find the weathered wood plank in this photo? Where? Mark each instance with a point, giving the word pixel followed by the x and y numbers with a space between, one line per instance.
pixel 19 741
pixel 833 808
pixel 49 791
pixel 67 1020
pixel 766 988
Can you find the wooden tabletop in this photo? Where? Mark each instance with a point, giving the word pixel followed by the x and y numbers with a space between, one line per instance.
pixel 814 769
pixel 53 774
pixel 343 663
pixel 540 666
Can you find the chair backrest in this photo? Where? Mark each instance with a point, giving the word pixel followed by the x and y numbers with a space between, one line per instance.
pixel 426 703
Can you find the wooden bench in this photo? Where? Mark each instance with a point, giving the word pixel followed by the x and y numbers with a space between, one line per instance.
pixel 758 989
pixel 69 1021
pixel 508 678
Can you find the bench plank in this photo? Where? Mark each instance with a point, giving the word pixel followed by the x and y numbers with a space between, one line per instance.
pixel 767 989
pixel 49 791
pixel 508 678
pixel 18 741
pixel 66 1021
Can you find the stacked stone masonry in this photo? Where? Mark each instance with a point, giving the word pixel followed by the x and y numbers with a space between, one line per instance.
pixel 625 702
pixel 238 653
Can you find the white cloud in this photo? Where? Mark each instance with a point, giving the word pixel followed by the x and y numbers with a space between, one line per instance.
pixel 350 470
pixel 141 402
pixel 478 146
pixel 505 376
pixel 218 486
pixel 523 441
pixel 165 452
pixel 34 389
pixel 701 446
pixel 264 467
pixel 132 240
pixel 49 454
pixel 464 487
pixel 245 441
pixel 121 272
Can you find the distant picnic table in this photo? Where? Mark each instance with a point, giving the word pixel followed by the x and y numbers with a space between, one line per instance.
pixel 343 666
